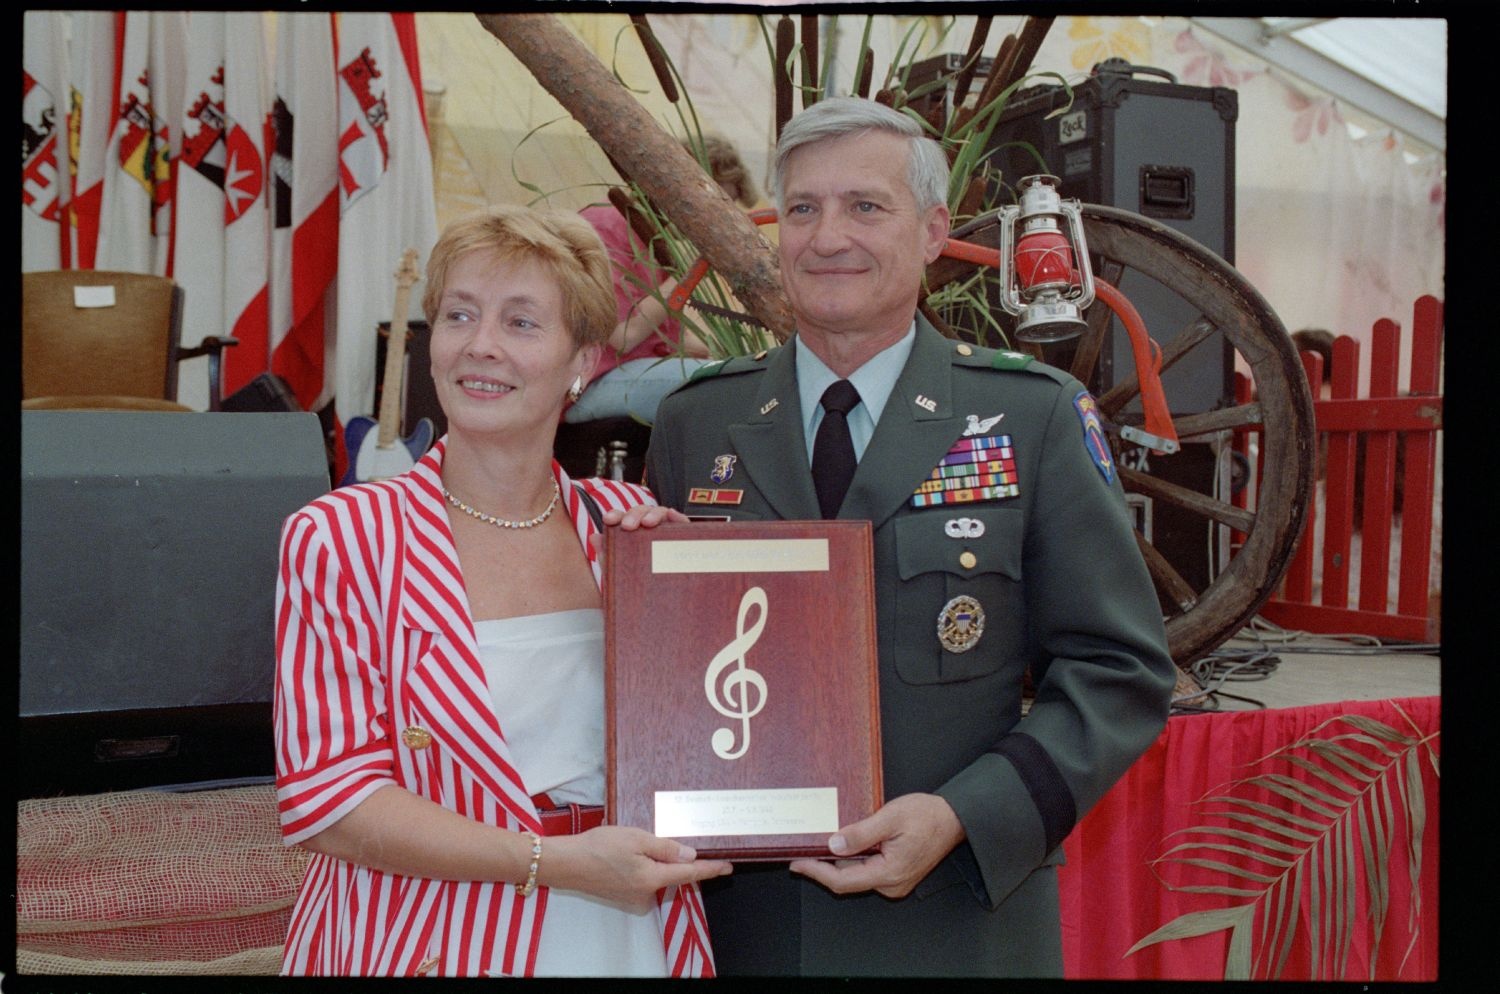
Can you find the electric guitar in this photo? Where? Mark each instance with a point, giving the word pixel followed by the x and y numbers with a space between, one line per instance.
pixel 379 454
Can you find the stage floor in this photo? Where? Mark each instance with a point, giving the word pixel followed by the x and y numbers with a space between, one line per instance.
pixel 1302 669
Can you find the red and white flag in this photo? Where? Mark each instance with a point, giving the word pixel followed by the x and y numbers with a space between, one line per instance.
pixel 93 58
pixel 304 204
pixel 385 190
pixel 222 237
pixel 135 213
pixel 44 139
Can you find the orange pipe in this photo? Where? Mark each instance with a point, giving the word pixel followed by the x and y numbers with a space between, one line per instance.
pixel 1147 362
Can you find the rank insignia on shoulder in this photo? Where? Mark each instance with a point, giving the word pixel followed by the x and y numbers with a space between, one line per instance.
pixel 1093 435
pixel 1006 359
pixel 708 369
pixel 982 467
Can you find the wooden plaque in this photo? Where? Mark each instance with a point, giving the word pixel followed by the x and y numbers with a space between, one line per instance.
pixel 741 691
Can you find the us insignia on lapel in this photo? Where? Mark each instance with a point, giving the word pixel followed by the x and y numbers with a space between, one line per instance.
pixel 975 468
pixel 1093 435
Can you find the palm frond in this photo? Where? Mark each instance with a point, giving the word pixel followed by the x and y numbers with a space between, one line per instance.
pixel 1340 796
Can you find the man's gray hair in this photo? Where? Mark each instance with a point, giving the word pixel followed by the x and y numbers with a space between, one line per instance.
pixel 835 117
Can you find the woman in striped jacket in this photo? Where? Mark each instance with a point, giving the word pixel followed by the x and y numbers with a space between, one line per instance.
pixel 439 701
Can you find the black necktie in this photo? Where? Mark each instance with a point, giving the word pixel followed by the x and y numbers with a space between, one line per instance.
pixel 833 452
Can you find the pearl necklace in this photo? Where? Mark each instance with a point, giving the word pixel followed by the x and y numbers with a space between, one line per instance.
pixel 502 522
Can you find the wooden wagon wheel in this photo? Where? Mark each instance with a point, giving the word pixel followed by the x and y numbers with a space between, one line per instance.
pixel 1197 620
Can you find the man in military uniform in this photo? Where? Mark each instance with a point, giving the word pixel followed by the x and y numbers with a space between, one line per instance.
pixel 1001 542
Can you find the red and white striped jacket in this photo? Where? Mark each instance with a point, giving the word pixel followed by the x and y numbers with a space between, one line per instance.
pixel 374 636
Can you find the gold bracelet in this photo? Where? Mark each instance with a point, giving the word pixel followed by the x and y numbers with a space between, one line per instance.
pixel 536 859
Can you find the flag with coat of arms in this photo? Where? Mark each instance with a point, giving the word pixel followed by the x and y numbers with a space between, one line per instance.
pixel 136 209
pixel 304 204
pixel 222 240
pixel 44 140
pixel 385 190
pixel 132 117
pixel 93 57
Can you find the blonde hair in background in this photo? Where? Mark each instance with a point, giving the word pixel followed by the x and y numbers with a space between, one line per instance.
pixel 561 242
pixel 727 169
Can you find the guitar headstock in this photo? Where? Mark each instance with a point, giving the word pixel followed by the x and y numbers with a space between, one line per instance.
pixel 407 272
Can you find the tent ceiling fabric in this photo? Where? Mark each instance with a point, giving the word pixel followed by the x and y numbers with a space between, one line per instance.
pixel 1356 60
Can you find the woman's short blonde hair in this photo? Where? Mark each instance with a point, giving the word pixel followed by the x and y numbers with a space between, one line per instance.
pixel 561 242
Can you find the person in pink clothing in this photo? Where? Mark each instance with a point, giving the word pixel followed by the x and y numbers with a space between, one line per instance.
pixel 649 352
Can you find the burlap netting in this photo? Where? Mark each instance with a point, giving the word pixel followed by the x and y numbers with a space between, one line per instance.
pixel 149 882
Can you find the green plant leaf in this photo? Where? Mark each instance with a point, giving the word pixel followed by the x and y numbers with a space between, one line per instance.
pixel 1274 845
pixel 1298 793
pixel 1225 847
pixel 1268 824
pixel 1360 778
pixel 1378 729
pixel 1196 923
pixel 1344 757
pixel 1329 845
pixel 1272 812
pixel 1288 913
pixel 1227 868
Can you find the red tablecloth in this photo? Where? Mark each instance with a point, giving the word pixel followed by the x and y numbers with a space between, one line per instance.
pixel 1113 896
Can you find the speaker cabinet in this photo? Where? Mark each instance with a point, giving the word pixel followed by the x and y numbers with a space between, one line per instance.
pixel 149 550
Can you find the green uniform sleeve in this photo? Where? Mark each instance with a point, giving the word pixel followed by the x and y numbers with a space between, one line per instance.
pixel 1104 689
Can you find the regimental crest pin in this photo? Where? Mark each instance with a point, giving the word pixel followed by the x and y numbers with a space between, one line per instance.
pixel 960 624
pixel 723 468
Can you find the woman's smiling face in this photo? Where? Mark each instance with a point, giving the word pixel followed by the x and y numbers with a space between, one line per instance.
pixel 502 355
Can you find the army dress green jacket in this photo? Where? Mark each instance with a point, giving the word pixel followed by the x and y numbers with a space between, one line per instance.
pixel 1054 569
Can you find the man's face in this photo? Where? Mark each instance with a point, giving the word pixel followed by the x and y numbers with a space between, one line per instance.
pixel 853 245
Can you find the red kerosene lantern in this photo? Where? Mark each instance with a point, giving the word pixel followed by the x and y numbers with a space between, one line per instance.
pixel 1045 278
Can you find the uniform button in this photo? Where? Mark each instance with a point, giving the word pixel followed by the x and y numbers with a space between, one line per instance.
pixel 965 350
pixel 968 560
pixel 416 738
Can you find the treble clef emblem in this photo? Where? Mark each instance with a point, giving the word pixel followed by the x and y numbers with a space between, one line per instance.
pixel 730 693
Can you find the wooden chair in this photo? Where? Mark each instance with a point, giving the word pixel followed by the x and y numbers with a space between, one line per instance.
pixel 92 339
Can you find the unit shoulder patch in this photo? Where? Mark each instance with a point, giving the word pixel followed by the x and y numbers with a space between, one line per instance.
pixel 1093 435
